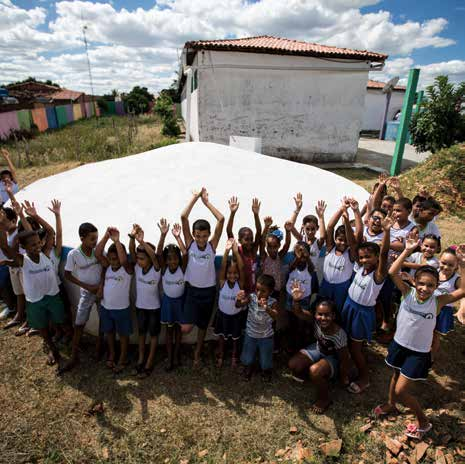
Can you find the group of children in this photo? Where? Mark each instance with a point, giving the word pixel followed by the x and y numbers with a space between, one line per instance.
pixel 342 283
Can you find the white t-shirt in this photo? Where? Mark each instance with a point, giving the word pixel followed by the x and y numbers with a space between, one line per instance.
pixel 430 228
pixel 3 194
pixel 173 283
pixel 200 271
pixel 56 263
pixel 417 257
pixel 227 299
pixel 363 289
pixel 39 279
pixel 303 277
pixel 337 268
pixel 147 295
pixel 87 269
pixel 446 287
pixel 116 289
pixel 416 322
pixel 378 238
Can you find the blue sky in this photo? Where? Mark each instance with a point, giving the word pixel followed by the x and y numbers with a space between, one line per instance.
pixel 138 42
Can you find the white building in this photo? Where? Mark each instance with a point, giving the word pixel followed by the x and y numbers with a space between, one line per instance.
pixel 375 102
pixel 305 101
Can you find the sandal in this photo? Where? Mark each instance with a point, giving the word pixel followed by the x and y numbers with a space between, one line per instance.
pixel 21 331
pixel 356 388
pixel 320 409
pixel 412 431
pixel 11 324
pixel 32 332
pixel 378 412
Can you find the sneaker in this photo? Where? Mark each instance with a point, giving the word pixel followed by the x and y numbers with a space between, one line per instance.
pixel 5 314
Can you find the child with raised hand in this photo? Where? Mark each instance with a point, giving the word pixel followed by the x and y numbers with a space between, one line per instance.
pixel 115 310
pixel 358 314
pixel 228 317
pixel 147 277
pixel 262 310
pixel 200 271
pixel 43 302
pixel 449 281
pixel 429 247
pixel 83 269
pixel 8 178
pixel 248 245
pixel 328 357
pixel 409 353
pixel 173 261
pixel 341 253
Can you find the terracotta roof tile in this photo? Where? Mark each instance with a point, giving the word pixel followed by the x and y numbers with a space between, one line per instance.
pixel 277 45
pixel 65 94
pixel 379 85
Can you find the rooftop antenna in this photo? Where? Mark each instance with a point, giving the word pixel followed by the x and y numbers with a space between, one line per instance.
pixel 84 28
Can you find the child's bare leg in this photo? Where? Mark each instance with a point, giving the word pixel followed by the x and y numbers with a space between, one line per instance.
pixel 111 349
pixel 402 393
pixel 124 343
pixel 198 349
pixel 436 343
pixel 356 351
pixel 153 348
pixel 53 354
pixel 220 351
pixel 20 308
pixel 390 406
pixel 320 373
pixel 186 328
pixel 299 364
pixel 235 354
pixel 177 345
pixel 169 346
pixel 140 360
pixel 74 361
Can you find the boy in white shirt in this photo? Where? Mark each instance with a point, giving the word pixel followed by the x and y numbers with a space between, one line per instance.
pixel 7 177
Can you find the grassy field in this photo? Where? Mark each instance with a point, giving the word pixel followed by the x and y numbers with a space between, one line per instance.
pixel 207 415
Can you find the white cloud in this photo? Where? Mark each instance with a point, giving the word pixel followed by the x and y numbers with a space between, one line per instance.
pixel 130 47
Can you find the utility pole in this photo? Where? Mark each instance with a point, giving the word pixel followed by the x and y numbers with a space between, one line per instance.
pixel 84 28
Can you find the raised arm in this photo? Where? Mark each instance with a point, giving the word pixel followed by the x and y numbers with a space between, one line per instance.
pixel 358 219
pixel 132 242
pixel 122 256
pixel 287 239
pixel 330 229
pixel 381 271
pixel 100 248
pixel 268 220
pixel 459 293
pixel 11 167
pixel 396 266
pixel 351 240
pixel 56 210
pixel 224 261
pixel 258 225
pixel 240 264
pixel 379 191
pixel 298 206
pixel 394 183
pixel 148 249
pixel 30 210
pixel 219 219
pixel 233 207
pixel 320 209
pixel 185 217
pixel 164 228
pixel 176 231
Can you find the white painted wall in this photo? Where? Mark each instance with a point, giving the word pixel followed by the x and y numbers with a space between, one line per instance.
pixel 375 101
pixel 302 107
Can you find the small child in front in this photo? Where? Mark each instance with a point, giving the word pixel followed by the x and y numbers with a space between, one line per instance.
pixel 115 310
pixel 200 271
pixel 262 310
pixel 409 353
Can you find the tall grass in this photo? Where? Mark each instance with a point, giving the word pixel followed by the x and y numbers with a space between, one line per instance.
pixel 90 140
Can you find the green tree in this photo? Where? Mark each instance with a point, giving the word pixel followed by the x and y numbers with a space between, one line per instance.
pixel 164 108
pixel 440 123
pixel 138 99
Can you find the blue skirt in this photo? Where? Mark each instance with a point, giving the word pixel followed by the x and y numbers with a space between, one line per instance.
pixel 445 320
pixel 171 310
pixel 335 292
pixel 358 321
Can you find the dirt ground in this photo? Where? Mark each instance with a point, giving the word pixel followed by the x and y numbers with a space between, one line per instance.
pixel 210 415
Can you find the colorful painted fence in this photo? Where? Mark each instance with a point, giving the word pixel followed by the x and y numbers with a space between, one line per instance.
pixel 52 117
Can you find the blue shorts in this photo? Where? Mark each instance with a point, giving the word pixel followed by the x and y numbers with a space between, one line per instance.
pixel 412 364
pixel 445 320
pixel 116 320
pixel 335 292
pixel 4 276
pixel 304 302
pixel 315 355
pixel 265 351
pixel 198 306
pixel 358 321
pixel 171 310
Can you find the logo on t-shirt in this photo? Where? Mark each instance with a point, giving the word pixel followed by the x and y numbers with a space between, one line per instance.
pixel 174 282
pixel 148 282
pixel 336 267
pixel 116 278
pixel 46 268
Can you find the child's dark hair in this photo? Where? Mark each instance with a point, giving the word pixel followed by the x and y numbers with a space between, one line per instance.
pixel 267 281
pixel 405 203
pixel 10 214
pixel 378 210
pixel 112 248
pixel 370 246
pixel 86 228
pixel 171 248
pixel 432 237
pixel 450 250
pixel 310 265
pixel 42 233
pixel 242 231
pixel 329 304
pixel 201 225
pixel 418 199
pixel 427 270
pixel 25 235
pixel 141 249
pixel 431 203
pixel 389 198
pixel 340 231
pixel 310 218
pixel 6 172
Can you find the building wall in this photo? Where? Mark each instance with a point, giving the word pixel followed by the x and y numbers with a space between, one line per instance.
pixel 375 101
pixel 302 107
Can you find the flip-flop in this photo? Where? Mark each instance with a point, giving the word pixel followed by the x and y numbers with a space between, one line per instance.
pixel 32 332
pixel 11 324
pixel 21 331
pixel 356 388
pixel 412 431
pixel 378 411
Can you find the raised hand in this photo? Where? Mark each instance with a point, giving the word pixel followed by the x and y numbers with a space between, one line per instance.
pixel 139 236
pixel 233 204
pixel 196 193
pixel 297 291
pixel 387 222
pixel 268 220
pixel 288 226
pixel 353 204
pixel 414 234
pixel 383 178
pixel 394 183
pixel 56 207
pixel 135 230
pixel 298 201
pixel 204 195
pixel 345 203
pixel 176 230
pixel 229 244
pixel 113 232
pixel 17 208
pixel 256 205
pixel 29 208
pixel 163 226
pixel 320 208
pixel 411 244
